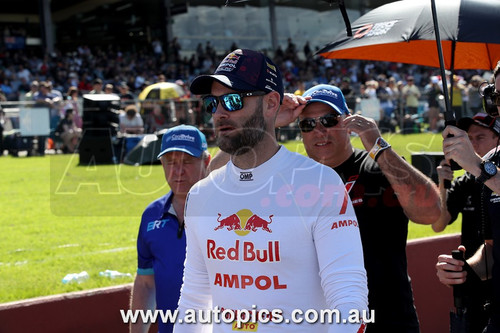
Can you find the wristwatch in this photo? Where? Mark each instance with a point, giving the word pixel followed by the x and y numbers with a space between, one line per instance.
pixel 379 146
pixel 488 170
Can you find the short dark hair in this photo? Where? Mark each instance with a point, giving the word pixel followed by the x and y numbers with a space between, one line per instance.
pixel 130 110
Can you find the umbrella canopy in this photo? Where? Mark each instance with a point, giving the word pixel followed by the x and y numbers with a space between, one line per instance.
pixel 403 31
pixel 162 90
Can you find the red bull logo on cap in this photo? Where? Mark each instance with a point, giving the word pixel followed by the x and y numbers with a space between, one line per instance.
pixel 243 222
pixel 232 55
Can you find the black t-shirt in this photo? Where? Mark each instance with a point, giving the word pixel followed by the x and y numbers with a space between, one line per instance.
pixel 464 197
pixel 432 93
pixel 493 203
pixel 384 229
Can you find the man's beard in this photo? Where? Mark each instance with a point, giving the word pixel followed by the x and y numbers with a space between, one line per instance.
pixel 246 138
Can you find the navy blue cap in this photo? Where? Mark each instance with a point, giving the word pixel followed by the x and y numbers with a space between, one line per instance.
pixel 245 71
pixel 330 95
pixel 184 138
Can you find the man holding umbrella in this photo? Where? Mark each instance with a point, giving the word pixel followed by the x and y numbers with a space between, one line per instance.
pixel 486 261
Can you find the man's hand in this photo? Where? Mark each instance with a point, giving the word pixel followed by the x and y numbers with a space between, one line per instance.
pixel 444 172
pixel 459 148
pixel 450 271
pixel 290 109
pixel 366 128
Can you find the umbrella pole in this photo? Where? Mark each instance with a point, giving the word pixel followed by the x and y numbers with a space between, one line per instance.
pixel 345 17
pixel 449 114
pixel 452 80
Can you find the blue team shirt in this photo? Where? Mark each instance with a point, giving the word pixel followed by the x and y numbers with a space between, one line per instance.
pixel 161 252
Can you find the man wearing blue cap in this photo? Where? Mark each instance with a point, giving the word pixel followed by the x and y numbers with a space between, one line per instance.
pixel 161 243
pixel 272 232
pixel 385 191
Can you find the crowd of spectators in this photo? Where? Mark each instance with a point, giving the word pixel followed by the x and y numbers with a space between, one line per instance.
pixel 82 66
pixel 68 75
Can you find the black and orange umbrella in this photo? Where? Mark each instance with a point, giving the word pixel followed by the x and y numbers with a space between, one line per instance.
pixel 403 31
pixel 406 31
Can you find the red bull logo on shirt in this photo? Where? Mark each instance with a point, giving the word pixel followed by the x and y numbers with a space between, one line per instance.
pixel 231 222
pixel 243 222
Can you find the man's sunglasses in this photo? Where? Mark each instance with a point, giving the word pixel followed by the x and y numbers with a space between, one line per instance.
pixel 230 102
pixel 308 124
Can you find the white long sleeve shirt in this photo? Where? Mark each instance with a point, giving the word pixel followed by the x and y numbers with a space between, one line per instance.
pixel 281 236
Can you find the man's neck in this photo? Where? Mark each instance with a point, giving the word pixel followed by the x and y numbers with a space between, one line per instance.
pixel 339 160
pixel 258 155
pixel 178 202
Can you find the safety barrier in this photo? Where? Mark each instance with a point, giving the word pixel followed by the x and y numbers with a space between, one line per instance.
pixel 98 310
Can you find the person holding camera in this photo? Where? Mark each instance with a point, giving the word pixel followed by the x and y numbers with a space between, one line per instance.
pixel 485 262
pixel 464 196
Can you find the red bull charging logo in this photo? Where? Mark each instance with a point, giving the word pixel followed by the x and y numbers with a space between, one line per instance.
pixel 243 222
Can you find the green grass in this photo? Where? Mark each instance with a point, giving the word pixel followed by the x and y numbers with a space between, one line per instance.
pixel 58 217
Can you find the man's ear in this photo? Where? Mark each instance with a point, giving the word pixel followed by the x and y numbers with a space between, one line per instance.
pixel 273 102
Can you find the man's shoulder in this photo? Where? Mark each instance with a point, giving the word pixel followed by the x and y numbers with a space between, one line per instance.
pixel 157 206
pixel 296 158
pixel 309 170
pixel 216 177
pixel 362 163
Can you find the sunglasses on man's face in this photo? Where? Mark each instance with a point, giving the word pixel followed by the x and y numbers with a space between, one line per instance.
pixel 230 102
pixel 308 124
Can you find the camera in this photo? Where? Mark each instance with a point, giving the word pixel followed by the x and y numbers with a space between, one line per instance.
pixel 490 98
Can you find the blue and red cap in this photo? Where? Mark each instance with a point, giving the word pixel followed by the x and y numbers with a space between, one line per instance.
pixel 480 119
pixel 185 138
pixel 245 71
pixel 329 95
